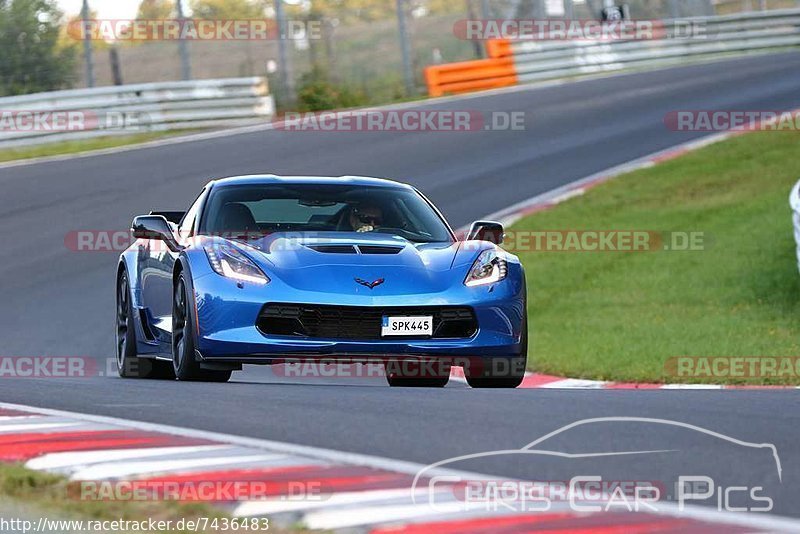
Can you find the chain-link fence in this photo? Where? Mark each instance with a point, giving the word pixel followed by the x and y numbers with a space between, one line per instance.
pixel 356 56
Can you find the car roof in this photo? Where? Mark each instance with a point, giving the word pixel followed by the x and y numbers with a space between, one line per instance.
pixel 260 179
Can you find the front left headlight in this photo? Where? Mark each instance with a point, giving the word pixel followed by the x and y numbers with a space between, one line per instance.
pixel 490 267
pixel 229 262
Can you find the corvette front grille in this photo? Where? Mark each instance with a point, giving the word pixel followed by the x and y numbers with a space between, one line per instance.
pixel 358 322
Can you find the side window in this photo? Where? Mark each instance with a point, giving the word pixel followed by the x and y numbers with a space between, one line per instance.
pixel 186 228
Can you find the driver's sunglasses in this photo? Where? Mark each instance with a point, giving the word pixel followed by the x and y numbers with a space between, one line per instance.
pixel 369 219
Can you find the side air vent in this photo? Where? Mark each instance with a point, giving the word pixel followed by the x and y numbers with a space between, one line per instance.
pixel 144 317
pixel 334 249
pixel 378 249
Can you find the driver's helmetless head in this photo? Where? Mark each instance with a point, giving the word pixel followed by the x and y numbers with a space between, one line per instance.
pixel 366 218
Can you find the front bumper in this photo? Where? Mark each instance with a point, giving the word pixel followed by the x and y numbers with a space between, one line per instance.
pixel 227 316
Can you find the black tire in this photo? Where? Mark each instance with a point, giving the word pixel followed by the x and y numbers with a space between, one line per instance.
pixel 395 378
pixel 511 370
pixel 184 364
pixel 129 364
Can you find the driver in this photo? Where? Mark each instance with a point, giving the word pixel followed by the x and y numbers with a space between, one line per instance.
pixel 366 218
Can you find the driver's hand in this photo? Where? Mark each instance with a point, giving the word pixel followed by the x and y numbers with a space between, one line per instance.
pixel 366 228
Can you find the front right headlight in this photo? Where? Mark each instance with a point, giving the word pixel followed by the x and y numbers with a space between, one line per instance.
pixel 490 267
pixel 229 262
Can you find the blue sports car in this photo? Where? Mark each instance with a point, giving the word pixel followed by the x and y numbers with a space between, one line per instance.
pixel 270 270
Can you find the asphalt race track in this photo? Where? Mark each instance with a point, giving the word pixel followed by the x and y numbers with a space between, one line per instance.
pixel 59 302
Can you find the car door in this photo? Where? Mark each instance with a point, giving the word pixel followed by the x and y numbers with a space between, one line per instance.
pixel 156 265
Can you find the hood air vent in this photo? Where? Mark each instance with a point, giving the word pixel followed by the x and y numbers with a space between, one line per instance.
pixel 355 249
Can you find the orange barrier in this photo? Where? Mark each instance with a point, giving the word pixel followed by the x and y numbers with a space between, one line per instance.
pixel 466 76
pixel 497 48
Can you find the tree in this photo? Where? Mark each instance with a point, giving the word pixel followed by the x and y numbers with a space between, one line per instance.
pixel 155 10
pixel 33 57
pixel 226 9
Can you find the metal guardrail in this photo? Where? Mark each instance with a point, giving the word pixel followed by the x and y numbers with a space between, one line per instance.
pixel 130 109
pixel 732 34
pixel 736 34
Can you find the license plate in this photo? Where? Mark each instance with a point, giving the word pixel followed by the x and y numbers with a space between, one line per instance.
pixel 407 326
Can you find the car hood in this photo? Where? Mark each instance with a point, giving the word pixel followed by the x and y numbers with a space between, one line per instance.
pixel 333 263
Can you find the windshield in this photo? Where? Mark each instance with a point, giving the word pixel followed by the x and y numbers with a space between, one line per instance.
pixel 315 208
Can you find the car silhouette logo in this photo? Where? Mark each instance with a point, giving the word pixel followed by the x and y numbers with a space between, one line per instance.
pixel 371 285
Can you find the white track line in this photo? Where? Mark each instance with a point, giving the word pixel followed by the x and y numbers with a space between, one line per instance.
pixel 127 469
pixel 282 505
pixel 35 427
pixel 372 515
pixel 5 418
pixel 574 383
pixel 58 460
pixel 350 518
pixel 692 386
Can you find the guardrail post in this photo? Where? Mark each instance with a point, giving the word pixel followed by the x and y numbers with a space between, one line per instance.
pixel 183 47
pixel 87 45
pixel 116 71
pixel 287 74
pixel 674 9
pixel 477 46
pixel 569 10
pixel 408 73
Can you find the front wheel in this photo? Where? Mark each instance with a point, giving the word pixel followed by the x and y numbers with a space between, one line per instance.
pixel 185 365
pixel 129 364
pixel 505 373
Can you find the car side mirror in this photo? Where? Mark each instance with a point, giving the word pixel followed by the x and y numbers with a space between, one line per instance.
pixel 174 217
pixel 154 227
pixel 490 231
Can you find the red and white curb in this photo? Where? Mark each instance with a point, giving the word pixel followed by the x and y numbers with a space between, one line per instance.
pixel 359 493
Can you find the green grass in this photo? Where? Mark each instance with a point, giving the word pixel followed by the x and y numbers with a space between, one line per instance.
pixel 26 494
pixel 621 316
pixel 51 496
pixel 83 145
